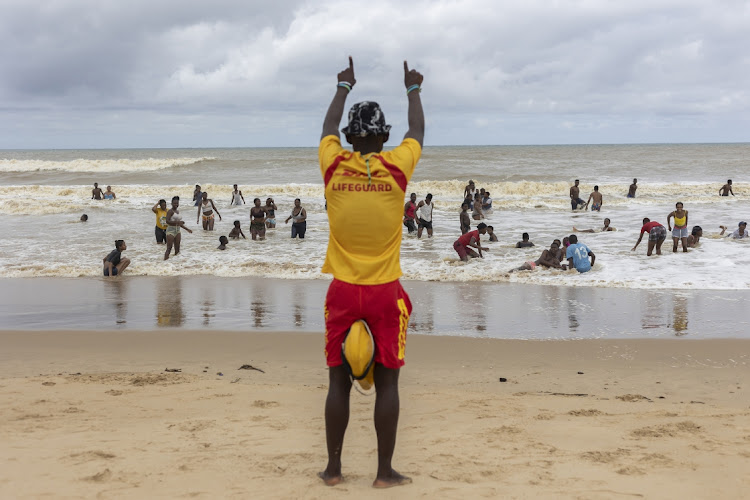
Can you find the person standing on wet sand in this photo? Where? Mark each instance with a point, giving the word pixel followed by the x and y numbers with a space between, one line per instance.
pixel 656 236
pixel 726 189
pixel 575 198
pixel 365 192
pixel 174 223
pixel 633 187
pixel 680 232
pixel 96 193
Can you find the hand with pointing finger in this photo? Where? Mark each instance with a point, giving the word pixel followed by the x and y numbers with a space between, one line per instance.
pixel 347 75
pixel 411 77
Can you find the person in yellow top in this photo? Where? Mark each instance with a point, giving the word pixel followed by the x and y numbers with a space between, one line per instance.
pixel 680 231
pixel 365 190
pixel 160 209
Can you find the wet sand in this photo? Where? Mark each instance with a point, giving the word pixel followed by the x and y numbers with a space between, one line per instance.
pixel 94 414
pixel 489 310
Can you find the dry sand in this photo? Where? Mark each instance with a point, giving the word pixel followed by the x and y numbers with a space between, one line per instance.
pixel 94 415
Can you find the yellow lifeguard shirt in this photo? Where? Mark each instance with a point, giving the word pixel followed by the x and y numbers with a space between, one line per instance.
pixel 365 212
pixel 161 218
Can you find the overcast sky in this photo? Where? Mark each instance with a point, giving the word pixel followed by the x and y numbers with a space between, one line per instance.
pixel 99 73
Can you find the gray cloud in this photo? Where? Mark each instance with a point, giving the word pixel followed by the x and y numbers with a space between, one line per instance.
pixel 495 72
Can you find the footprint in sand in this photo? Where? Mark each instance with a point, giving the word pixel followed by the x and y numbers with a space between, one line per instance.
pixel 259 403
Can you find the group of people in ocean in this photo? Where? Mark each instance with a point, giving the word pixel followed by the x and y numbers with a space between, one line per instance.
pixel 418 217
pixel 578 255
pixel 170 223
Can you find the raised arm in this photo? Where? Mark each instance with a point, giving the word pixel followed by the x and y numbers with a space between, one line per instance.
pixel 345 83
pixel 415 114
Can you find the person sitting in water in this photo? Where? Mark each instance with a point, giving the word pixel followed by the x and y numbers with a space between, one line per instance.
pixel 738 234
pixel 109 194
pixel 222 243
pixel 695 236
pixel 549 258
pixel 524 243
pixel 606 228
pixel 115 263
pixel 597 197
pixel 236 231
pixel 491 233
pixel 578 255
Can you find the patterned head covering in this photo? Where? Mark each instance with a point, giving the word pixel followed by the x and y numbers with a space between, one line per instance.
pixel 366 118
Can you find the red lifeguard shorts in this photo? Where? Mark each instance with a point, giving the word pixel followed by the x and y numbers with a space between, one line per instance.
pixel 385 308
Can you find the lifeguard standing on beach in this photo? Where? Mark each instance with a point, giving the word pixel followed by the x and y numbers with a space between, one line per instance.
pixel 365 192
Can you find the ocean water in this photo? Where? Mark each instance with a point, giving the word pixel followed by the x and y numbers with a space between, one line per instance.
pixel 43 194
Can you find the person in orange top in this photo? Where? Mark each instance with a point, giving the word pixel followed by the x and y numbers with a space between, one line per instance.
pixel 365 190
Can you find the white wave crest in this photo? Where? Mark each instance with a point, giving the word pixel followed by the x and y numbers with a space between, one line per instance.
pixel 87 165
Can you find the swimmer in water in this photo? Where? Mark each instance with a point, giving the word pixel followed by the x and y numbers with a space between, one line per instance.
pixel 606 228
pixel 109 194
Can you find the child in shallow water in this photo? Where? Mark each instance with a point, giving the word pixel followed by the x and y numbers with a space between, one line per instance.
pixel 236 231
pixel 223 243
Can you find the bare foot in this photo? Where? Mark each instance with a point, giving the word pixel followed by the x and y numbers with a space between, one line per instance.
pixel 330 480
pixel 392 479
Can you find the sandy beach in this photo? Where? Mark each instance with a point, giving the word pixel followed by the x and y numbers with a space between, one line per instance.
pixel 95 414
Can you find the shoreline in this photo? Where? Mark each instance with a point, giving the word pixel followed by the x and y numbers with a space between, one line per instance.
pixel 459 309
pixel 94 413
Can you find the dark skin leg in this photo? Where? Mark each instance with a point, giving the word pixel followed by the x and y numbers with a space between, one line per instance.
pixel 651 245
pixel 386 425
pixel 177 243
pixel 337 419
pixel 684 244
pixel 170 242
pixel 674 241
pixel 658 246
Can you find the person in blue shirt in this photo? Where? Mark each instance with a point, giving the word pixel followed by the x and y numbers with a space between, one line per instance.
pixel 578 255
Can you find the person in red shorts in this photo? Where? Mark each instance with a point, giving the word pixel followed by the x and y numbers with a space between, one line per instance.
pixel 656 236
pixel 365 190
pixel 470 239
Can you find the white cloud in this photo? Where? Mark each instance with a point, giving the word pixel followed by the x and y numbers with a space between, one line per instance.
pixel 549 69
